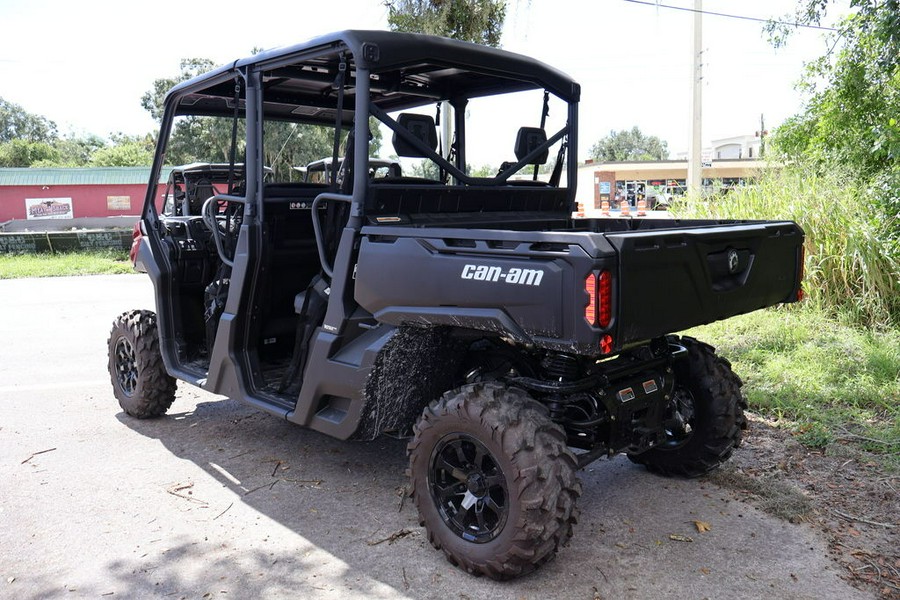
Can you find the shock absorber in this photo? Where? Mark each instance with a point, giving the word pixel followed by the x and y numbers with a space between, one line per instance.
pixel 561 368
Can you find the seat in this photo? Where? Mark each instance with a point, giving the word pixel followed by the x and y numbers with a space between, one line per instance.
pixel 199 193
pixel 529 139
pixel 317 293
pixel 422 128
pixel 299 301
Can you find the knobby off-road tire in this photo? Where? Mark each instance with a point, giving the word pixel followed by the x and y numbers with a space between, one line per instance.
pixel 493 480
pixel 707 382
pixel 139 379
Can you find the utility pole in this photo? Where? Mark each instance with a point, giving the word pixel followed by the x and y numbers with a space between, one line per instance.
pixel 762 136
pixel 695 150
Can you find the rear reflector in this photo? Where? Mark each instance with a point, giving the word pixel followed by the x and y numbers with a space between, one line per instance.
pixel 590 311
pixel 606 344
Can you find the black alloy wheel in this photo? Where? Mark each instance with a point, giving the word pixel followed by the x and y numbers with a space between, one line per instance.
pixel 126 366
pixel 469 488
pixel 139 379
pixel 680 419
pixel 706 419
pixel 493 480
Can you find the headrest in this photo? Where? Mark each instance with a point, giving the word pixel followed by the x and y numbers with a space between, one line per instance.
pixel 421 127
pixel 201 191
pixel 527 140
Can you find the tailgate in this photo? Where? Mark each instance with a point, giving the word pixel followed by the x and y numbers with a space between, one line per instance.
pixel 674 279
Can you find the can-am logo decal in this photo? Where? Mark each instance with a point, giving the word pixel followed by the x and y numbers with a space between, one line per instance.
pixel 514 275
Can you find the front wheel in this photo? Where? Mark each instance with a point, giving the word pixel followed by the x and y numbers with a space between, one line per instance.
pixel 705 416
pixel 140 382
pixel 493 480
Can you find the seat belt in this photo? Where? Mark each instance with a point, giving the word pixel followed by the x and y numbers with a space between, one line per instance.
pixel 557 168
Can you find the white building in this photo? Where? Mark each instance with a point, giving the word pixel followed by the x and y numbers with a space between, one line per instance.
pixel 740 146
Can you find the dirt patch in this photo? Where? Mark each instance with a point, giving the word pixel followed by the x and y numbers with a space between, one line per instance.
pixel 853 499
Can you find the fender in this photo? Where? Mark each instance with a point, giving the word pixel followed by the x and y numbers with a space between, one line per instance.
pixel 493 320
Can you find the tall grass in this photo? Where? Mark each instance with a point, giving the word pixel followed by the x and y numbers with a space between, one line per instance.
pixel 852 249
pixel 89 262
pixel 821 379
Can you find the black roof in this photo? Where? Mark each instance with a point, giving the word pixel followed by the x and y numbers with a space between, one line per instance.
pixel 406 70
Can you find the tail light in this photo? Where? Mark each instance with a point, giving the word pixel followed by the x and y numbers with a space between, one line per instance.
pixel 599 290
pixel 604 283
pixel 136 235
pixel 598 312
pixel 800 293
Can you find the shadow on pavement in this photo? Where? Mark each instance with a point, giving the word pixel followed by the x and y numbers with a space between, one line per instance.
pixel 350 530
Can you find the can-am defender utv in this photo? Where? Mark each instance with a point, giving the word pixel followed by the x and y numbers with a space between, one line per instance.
pixel 516 343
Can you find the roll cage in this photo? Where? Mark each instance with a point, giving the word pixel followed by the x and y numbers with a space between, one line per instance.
pixel 342 79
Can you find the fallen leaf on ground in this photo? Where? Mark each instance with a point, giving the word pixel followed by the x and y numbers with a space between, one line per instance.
pixel 680 538
pixel 702 526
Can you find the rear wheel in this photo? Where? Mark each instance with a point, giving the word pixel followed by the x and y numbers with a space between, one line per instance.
pixel 493 480
pixel 140 382
pixel 705 416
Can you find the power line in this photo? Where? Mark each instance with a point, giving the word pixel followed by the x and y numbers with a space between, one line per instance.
pixel 742 17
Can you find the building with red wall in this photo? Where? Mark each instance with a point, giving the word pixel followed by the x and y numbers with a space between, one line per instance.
pixel 39 193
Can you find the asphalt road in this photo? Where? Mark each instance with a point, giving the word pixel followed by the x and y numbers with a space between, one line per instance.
pixel 216 500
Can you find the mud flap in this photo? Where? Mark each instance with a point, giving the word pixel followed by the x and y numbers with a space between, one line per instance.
pixel 414 368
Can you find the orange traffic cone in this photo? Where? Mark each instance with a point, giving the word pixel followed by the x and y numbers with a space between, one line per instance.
pixel 625 209
pixel 642 208
pixel 604 208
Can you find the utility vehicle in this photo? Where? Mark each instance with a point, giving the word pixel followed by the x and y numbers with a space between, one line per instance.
pixel 516 344
pixel 315 171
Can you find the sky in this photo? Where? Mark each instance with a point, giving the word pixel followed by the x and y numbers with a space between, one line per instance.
pixel 85 65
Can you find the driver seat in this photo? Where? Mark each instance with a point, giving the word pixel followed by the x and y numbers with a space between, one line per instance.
pixel 201 192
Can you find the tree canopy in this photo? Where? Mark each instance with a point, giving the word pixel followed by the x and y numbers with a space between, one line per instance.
pixel 152 100
pixel 23 153
pixel 851 118
pixel 18 124
pixel 629 144
pixel 126 151
pixel 479 21
pixel 208 139
pixel 29 140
